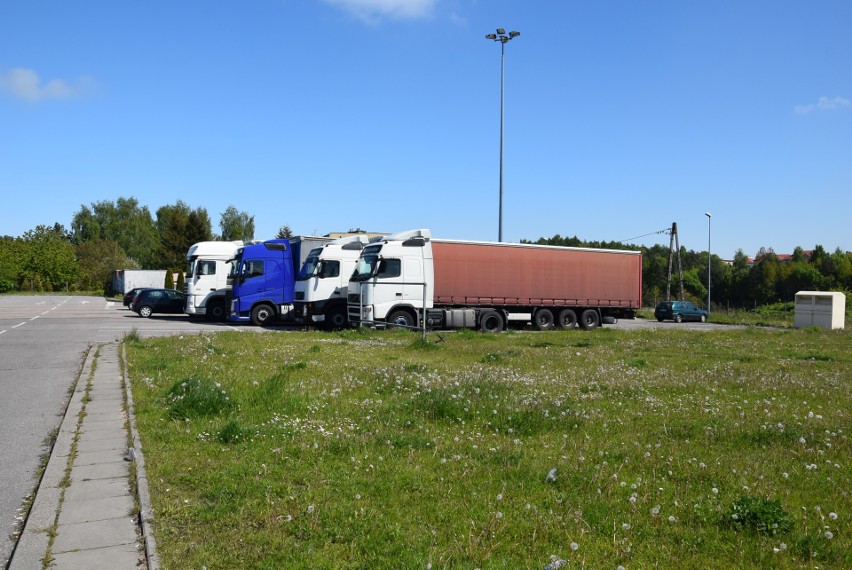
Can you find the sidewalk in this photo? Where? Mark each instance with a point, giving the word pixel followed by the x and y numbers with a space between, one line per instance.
pixel 85 499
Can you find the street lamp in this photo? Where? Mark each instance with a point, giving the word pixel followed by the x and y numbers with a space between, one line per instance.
pixel 503 38
pixel 709 216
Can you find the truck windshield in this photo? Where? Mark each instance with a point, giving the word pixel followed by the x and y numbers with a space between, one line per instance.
pixel 190 267
pixel 310 266
pixel 365 267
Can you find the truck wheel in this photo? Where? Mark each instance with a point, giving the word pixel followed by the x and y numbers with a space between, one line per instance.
pixel 543 319
pixel 491 322
pixel 567 319
pixel 335 318
pixel 262 315
pixel 401 319
pixel 145 311
pixel 215 311
pixel 589 319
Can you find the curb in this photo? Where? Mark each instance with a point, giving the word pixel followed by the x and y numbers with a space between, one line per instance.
pixel 146 511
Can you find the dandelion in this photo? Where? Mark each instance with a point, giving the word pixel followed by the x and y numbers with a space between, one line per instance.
pixel 829 535
pixel 672 518
pixel 310 509
pixel 832 516
pixel 655 510
pixel 575 546
pixel 715 491
pixel 551 476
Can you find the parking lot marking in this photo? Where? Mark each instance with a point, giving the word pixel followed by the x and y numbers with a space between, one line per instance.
pixel 1 332
pixel 19 324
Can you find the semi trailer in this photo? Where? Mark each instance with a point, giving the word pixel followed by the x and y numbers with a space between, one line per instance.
pixel 323 282
pixel 410 279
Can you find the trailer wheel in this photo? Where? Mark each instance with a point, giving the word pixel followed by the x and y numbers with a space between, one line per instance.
pixel 543 319
pixel 491 321
pixel 401 319
pixel 335 318
pixel 262 315
pixel 567 319
pixel 589 319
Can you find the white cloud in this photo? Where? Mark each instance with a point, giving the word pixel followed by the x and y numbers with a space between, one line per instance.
pixel 824 104
pixel 371 11
pixel 26 84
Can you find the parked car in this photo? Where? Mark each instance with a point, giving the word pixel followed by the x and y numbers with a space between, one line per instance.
pixel 128 297
pixel 150 301
pixel 679 311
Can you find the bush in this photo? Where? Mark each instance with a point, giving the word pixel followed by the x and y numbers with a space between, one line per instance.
pixel 761 515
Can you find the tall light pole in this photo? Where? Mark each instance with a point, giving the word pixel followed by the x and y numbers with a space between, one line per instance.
pixel 503 38
pixel 709 216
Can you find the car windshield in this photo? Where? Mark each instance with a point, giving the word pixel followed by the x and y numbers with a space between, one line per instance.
pixel 310 266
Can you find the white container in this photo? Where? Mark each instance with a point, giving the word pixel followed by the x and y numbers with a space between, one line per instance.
pixel 826 309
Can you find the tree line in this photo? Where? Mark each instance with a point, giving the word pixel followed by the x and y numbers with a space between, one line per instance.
pixel 106 236
pixel 123 234
pixel 738 283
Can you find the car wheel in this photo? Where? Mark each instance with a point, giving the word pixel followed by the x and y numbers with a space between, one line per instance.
pixel 703 318
pixel 660 319
pixel 145 311
pixel 678 318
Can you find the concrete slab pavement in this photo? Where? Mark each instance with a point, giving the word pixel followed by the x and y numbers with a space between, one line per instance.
pixel 86 513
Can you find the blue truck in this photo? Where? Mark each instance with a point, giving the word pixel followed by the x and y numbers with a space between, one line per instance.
pixel 263 279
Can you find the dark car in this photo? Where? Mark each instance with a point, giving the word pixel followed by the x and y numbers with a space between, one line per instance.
pixel 128 297
pixel 679 311
pixel 150 301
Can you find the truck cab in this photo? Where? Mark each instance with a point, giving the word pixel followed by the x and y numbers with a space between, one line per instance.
pixel 322 283
pixel 392 281
pixel 207 269
pixel 262 282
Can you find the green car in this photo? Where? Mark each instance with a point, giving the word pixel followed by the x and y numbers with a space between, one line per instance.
pixel 679 311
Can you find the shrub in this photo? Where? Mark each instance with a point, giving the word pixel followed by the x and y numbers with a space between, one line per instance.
pixel 764 516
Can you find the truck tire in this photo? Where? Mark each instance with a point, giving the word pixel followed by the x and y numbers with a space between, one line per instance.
pixel 491 321
pixel 567 319
pixel 262 315
pixel 543 319
pixel 402 319
pixel 216 310
pixel 590 320
pixel 335 318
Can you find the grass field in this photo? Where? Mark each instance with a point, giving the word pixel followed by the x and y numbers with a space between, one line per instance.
pixel 369 449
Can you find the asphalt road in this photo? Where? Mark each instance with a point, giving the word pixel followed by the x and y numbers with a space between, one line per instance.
pixel 43 340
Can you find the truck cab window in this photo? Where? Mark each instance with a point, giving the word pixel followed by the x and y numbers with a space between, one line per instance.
pixel 389 268
pixel 206 268
pixel 253 268
pixel 329 268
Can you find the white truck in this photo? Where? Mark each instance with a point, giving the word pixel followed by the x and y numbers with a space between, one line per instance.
pixel 410 279
pixel 208 267
pixel 323 281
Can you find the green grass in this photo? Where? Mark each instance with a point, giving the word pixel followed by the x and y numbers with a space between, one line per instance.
pixel 377 450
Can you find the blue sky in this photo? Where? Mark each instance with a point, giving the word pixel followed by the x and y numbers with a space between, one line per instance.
pixel 621 117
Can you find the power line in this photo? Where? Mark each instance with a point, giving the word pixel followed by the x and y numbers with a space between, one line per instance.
pixel 663 231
